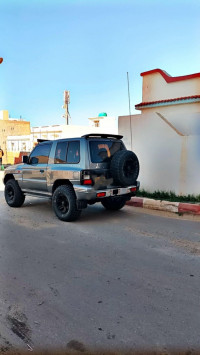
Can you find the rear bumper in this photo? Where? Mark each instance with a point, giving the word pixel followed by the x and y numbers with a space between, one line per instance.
pixel 88 193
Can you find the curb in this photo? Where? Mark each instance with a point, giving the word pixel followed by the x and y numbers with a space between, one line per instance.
pixel 175 207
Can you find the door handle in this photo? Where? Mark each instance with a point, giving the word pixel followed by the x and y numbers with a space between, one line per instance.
pixel 41 170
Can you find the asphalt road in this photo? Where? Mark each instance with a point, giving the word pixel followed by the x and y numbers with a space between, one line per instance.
pixel 112 280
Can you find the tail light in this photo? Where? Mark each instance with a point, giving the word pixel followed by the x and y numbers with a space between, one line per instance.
pixel 133 189
pixel 101 194
pixel 86 178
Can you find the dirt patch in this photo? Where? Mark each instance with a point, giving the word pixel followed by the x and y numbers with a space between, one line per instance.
pixel 18 324
pixel 5 345
pixel 192 247
pixel 76 345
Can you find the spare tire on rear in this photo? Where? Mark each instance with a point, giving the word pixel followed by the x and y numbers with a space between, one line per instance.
pixel 124 168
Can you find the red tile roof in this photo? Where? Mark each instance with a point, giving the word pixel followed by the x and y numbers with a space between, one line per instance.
pixel 141 104
pixel 168 78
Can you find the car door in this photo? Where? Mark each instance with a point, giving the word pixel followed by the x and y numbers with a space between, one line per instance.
pixel 34 174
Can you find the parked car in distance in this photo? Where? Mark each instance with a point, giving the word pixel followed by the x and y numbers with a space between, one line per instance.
pixel 75 172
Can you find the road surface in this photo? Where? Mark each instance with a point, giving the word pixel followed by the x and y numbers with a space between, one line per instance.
pixel 111 280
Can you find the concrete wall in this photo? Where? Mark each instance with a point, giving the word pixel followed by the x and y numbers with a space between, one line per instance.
pixel 106 124
pixel 156 88
pixel 4 115
pixel 169 160
pixel 77 131
pixel 177 109
pixel 192 180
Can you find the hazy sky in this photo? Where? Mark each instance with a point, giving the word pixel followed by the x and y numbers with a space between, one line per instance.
pixel 87 47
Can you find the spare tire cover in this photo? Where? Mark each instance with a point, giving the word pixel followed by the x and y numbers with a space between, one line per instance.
pixel 124 167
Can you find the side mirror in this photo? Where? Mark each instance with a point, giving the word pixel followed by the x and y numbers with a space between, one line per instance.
pixel 34 160
pixel 25 159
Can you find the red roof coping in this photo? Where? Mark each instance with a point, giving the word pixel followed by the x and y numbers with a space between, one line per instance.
pixel 167 100
pixel 170 79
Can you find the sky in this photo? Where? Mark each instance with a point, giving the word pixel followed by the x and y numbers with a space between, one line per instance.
pixel 87 47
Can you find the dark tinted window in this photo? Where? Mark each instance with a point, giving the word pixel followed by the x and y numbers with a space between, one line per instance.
pixel 73 153
pixel 102 151
pixel 61 153
pixel 41 152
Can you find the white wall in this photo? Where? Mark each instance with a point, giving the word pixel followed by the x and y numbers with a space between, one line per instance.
pixel 19 143
pixel 193 165
pixel 156 88
pixel 168 161
pixel 173 109
pixel 77 131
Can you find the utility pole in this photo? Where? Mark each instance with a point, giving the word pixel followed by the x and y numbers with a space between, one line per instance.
pixel 129 108
pixel 65 106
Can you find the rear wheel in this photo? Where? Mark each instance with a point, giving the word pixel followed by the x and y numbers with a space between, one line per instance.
pixel 64 203
pixel 13 194
pixel 114 203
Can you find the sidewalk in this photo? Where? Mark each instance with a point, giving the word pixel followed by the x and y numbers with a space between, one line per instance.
pixel 176 207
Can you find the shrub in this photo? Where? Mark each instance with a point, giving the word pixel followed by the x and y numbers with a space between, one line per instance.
pixel 169 196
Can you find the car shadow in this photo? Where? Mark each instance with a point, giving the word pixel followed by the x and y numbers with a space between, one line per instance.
pixel 93 213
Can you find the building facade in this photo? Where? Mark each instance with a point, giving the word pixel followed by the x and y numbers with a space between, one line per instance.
pixel 166 135
pixel 10 127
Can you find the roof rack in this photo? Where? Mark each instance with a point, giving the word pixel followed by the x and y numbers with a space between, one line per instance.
pixel 102 135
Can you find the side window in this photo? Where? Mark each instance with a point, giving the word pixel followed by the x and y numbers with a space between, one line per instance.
pixel 73 153
pixel 61 153
pixel 41 152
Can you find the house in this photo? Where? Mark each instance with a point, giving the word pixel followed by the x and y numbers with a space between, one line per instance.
pixel 11 127
pixel 166 134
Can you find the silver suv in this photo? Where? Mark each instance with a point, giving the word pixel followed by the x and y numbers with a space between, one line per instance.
pixel 75 172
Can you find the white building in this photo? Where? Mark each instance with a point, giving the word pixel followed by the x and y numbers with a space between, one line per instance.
pixel 166 135
pixel 105 123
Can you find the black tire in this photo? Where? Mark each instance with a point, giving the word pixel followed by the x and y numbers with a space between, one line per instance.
pixel 114 203
pixel 124 168
pixel 13 194
pixel 64 203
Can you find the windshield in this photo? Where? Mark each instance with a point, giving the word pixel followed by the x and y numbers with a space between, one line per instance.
pixel 102 151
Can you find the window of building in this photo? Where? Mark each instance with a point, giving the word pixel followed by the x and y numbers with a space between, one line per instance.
pixel 24 146
pixel 41 152
pixel 96 123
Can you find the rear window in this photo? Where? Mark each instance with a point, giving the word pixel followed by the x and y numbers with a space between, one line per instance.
pixel 102 151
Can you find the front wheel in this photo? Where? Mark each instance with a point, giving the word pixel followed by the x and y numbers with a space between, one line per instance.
pixel 114 203
pixel 13 194
pixel 64 203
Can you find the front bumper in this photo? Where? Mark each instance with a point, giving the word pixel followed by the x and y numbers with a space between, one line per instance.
pixel 88 193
